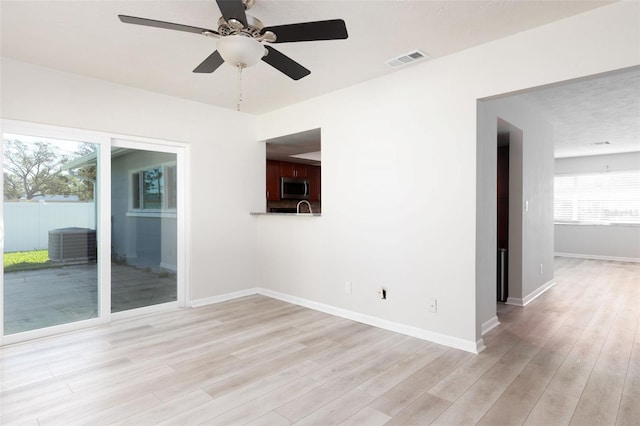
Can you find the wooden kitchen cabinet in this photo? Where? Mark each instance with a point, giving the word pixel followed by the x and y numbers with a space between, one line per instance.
pixel 277 169
pixel 273 180
pixel 314 183
pixel 293 170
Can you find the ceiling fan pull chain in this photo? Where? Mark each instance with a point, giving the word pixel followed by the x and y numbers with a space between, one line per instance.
pixel 240 67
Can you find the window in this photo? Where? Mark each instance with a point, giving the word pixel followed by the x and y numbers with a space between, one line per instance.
pixel 154 189
pixel 603 198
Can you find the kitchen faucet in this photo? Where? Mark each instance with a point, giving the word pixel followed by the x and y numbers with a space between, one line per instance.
pixel 308 205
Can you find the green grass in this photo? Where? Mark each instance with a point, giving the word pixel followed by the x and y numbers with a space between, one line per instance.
pixel 25 260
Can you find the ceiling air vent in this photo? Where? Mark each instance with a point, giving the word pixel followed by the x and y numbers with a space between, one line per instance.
pixel 407 58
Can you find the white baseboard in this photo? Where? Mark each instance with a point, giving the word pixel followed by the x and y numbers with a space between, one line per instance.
pixel 222 297
pixel 443 339
pixel 490 325
pixel 515 301
pixel 596 257
pixel 531 296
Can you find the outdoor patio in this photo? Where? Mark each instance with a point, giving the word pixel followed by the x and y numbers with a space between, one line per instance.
pixel 47 297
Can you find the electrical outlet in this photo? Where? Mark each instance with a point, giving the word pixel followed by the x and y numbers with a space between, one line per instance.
pixel 347 287
pixel 433 304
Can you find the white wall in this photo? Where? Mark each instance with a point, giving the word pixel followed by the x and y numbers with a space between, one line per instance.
pixel 618 242
pixel 399 176
pixel 598 163
pixel 222 145
pixel 613 242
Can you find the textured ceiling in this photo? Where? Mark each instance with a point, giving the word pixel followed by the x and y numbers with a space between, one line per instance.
pixel 587 112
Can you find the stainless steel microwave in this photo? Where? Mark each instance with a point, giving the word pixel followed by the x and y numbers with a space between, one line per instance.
pixel 294 188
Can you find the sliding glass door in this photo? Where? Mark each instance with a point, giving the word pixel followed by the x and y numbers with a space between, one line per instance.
pixel 50 206
pixel 144 231
pixel 90 226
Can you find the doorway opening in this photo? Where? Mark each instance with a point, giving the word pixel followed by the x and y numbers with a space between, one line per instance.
pixel 502 291
pixel 509 211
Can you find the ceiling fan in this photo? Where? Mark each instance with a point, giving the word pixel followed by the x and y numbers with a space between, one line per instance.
pixel 241 38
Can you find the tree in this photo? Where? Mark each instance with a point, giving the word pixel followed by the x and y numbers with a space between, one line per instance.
pixel 12 189
pixel 152 180
pixel 32 170
pixel 84 184
pixel 35 169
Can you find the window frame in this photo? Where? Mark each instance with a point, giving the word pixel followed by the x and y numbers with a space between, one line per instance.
pixel 166 210
pixel 575 195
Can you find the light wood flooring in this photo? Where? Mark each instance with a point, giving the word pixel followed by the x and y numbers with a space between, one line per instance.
pixel 571 357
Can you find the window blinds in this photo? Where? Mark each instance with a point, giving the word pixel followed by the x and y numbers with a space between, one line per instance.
pixel 611 197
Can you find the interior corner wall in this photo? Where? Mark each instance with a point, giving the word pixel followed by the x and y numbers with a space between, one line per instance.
pixel 221 143
pixel 613 242
pixel 534 246
pixel 400 192
pixel 515 258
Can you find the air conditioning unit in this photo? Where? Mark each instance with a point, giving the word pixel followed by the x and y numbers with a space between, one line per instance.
pixel 71 245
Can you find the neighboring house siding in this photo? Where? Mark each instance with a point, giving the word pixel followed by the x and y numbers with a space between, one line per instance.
pixel 148 241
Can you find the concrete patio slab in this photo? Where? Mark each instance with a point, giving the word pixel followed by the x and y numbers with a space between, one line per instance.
pixel 47 297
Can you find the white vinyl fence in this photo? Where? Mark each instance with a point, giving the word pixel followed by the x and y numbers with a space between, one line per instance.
pixel 27 224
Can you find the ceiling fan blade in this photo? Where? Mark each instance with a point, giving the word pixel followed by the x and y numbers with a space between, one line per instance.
pixel 232 9
pixel 285 64
pixel 166 25
pixel 334 29
pixel 210 64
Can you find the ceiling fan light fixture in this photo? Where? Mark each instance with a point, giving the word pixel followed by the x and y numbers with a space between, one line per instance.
pixel 239 50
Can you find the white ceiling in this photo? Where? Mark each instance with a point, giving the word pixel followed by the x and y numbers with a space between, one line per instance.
pixel 85 37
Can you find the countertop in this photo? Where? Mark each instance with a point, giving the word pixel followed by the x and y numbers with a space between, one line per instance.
pixel 286 214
